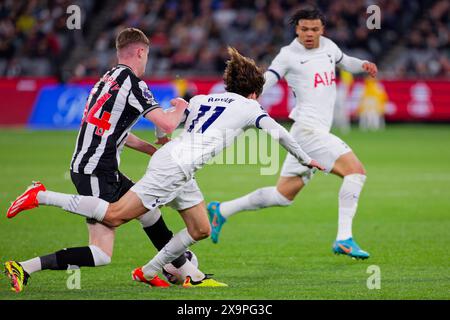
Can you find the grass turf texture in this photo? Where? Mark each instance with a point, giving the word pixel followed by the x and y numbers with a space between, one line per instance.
pixel 403 220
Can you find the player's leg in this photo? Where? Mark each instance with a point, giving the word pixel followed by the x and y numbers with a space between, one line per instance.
pixel 197 228
pixel 88 256
pixel 176 246
pixel 293 178
pixel 191 206
pixel 337 157
pixel 152 223
pixel 98 253
pixel 289 187
pixel 128 207
pixel 101 238
pixel 112 214
pixel 197 223
pixel 353 173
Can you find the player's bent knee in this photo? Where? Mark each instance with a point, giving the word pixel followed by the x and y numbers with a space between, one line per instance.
pixel 114 222
pixel 100 257
pixel 359 169
pixel 113 218
pixel 281 199
pixel 200 233
pixel 363 170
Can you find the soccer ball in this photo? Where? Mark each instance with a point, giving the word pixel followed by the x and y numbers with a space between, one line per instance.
pixel 172 274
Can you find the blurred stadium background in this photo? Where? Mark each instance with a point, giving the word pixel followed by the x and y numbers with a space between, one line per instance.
pixel 188 44
pixel 46 72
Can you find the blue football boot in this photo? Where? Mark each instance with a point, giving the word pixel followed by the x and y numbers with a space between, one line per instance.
pixel 350 248
pixel 216 220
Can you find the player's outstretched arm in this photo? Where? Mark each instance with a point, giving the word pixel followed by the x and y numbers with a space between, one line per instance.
pixel 138 144
pixel 279 133
pixel 168 120
pixel 355 65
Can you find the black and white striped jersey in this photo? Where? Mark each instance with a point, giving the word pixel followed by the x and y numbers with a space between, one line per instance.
pixel 114 105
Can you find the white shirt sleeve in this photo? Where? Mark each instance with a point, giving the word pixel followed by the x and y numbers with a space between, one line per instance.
pixel 279 133
pixel 141 98
pixel 351 64
pixel 271 78
pixel 255 113
pixel 278 68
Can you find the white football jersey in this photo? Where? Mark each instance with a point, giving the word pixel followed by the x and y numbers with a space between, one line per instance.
pixel 212 123
pixel 310 73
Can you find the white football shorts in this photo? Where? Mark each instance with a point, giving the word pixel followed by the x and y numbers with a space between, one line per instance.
pixel 165 183
pixel 322 146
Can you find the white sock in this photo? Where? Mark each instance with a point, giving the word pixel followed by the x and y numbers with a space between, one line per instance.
pixel 172 250
pixel 261 198
pixel 32 265
pixel 348 203
pixel 150 218
pixel 87 206
pixel 189 269
pixel 100 257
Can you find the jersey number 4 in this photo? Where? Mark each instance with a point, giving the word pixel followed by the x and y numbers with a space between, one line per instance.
pixel 101 123
pixel 202 111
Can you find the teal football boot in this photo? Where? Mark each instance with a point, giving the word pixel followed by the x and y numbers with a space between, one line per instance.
pixel 216 220
pixel 350 248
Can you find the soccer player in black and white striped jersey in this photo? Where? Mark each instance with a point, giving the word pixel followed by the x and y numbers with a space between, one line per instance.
pixel 114 105
pixel 212 123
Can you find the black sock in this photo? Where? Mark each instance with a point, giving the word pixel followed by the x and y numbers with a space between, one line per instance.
pixel 60 260
pixel 159 235
pixel 178 262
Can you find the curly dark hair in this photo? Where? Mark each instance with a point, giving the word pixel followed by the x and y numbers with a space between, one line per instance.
pixel 307 13
pixel 242 75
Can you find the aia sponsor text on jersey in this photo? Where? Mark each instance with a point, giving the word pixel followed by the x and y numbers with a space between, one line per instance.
pixel 324 78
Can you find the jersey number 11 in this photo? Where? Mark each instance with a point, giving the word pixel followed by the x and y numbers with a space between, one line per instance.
pixel 202 111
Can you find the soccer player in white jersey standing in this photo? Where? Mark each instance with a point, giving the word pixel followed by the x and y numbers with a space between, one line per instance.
pixel 212 124
pixel 308 65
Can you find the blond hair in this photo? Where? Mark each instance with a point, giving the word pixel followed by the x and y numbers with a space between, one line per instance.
pixel 129 36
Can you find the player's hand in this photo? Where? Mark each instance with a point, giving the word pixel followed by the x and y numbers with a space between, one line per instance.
pixel 179 103
pixel 162 141
pixel 315 164
pixel 370 68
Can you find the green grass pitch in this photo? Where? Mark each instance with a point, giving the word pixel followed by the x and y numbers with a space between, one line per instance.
pixel 403 220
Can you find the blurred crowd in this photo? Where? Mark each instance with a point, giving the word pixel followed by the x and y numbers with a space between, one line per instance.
pixel 34 39
pixel 427 45
pixel 190 37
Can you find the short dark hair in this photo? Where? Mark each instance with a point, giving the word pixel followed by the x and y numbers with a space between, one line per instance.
pixel 129 36
pixel 309 13
pixel 242 75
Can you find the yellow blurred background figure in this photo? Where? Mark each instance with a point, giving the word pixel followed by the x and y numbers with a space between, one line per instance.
pixel 372 106
pixel 341 109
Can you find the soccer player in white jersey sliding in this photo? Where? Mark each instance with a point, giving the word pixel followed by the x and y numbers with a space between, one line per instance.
pixel 212 123
pixel 115 104
pixel 308 65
